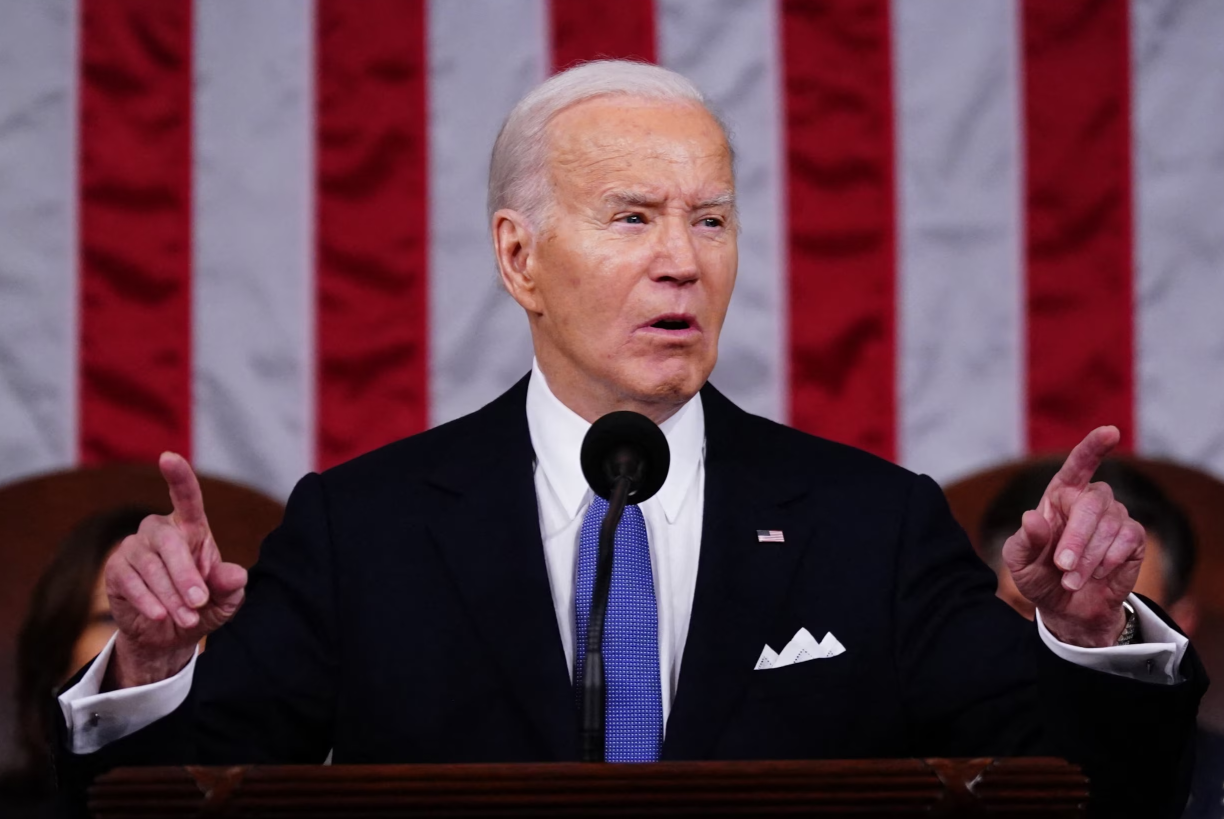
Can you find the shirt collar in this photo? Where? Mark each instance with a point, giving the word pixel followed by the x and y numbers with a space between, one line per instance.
pixel 557 433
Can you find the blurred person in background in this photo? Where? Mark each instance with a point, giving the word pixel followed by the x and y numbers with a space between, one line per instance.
pixel 67 624
pixel 1168 569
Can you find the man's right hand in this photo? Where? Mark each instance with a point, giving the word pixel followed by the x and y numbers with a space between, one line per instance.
pixel 168 587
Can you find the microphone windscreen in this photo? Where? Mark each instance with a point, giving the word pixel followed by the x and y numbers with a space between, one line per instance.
pixel 642 436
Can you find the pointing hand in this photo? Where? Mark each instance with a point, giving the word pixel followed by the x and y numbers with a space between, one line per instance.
pixel 1077 556
pixel 168 586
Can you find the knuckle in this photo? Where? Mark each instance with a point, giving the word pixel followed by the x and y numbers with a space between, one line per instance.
pixel 171 545
pixel 160 533
pixel 1110 527
pixel 151 524
pixel 118 559
pixel 1094 503
pixel 133 589
pixel 146 564
pixel 121 578
pixel 134 545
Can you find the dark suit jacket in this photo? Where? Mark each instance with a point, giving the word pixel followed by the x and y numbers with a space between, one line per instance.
pixel 402 613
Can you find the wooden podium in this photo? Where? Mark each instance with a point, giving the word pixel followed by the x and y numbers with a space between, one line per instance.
pixel 1027 787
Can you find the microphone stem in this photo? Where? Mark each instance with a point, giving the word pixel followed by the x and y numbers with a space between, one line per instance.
pixel 594 687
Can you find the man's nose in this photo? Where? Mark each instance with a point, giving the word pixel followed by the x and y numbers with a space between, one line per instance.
pixel 676 258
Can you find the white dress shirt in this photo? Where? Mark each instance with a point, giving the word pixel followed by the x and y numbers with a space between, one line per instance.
pixel 673 523
pixel 673 518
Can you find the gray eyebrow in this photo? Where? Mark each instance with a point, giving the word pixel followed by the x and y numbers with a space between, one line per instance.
pixel 722 200
pixel 644 200
pixel 632 199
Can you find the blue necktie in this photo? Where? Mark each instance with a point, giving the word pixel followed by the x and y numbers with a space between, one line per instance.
pixel 634 716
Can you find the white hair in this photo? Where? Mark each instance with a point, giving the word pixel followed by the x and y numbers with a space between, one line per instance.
pixel 518 177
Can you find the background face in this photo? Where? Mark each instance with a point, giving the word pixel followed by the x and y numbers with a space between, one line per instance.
pixel 98 628
pixel 635 261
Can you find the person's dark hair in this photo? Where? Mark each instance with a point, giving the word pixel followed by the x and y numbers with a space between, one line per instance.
pixel 1144 500
pixel 57 616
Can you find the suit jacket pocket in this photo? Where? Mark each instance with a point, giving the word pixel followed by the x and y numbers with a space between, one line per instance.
pixel 802 679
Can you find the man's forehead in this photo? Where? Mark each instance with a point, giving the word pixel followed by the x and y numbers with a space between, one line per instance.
pixel 612 129
pixel 644 153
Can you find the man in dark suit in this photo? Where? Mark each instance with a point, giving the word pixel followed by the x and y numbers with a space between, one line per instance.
pixel 422 602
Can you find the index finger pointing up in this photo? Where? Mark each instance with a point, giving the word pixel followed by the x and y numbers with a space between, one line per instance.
pixel 184 489
pixel 1083 461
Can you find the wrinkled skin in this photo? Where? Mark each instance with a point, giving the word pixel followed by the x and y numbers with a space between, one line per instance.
pixel 641 228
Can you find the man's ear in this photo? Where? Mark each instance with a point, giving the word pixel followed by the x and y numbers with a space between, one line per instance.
pixel 513 245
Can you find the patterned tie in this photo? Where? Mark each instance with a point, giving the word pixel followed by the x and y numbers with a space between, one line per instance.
pixel 634 717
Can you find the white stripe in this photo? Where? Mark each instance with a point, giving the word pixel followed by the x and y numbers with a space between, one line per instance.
pixel 253 275
pixel 482 59
pixel 730 48
pixel 960 228
pixel 1179 209
pixel 38 241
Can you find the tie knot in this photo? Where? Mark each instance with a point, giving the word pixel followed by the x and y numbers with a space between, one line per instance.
pixel 599 507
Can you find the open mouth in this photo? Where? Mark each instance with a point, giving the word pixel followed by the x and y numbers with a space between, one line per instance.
pixel 671 324
pixel 674 328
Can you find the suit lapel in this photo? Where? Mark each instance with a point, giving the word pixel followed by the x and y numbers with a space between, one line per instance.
pixel 741 583
pixel 488 530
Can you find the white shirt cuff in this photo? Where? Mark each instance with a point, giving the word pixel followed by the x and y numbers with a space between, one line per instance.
pixel 95 719
pixel 1155 660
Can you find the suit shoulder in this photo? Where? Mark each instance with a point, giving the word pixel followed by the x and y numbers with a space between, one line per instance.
pixel 814 460
pixel 412 459
pixel 406 459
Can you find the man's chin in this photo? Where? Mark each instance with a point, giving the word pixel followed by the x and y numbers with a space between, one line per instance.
pixel 668 384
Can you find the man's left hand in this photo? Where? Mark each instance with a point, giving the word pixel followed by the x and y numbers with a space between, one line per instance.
pixel 1077 556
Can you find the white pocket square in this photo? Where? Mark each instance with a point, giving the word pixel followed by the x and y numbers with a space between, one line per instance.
pixel 800 649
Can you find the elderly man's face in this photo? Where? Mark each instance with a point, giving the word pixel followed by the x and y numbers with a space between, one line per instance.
pixel 628 280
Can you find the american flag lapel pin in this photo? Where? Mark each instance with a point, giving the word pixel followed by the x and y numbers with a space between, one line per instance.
pixel 770 536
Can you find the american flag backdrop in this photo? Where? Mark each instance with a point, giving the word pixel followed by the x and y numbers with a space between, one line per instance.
pixel 253 231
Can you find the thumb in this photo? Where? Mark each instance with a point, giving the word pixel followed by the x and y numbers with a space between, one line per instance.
pixel 227 586
pixel 1029 543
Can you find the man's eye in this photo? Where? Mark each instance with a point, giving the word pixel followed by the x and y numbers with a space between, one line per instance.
pixel 634 219
pixel 711 222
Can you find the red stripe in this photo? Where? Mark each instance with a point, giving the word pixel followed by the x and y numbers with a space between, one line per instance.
pixel 372 230
pixel 841 234
pixel 1080 299
pixel 583 30
pixel 135 229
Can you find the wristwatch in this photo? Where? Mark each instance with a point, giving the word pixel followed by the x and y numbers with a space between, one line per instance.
pixel 1130 631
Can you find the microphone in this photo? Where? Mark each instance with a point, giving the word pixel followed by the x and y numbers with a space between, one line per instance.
pixel 625 458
